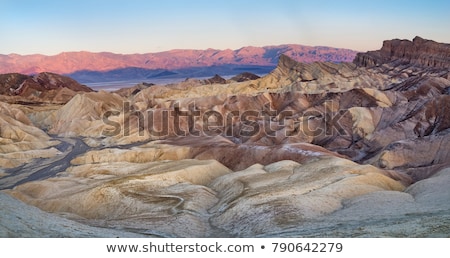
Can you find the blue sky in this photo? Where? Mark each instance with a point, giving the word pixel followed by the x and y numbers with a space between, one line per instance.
pixel 139 26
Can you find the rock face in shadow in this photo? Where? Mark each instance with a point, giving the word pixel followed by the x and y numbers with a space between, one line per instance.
pixel 83 114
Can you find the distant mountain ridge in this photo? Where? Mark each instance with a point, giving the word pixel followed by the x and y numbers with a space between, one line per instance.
pixel 71 62
pixel 419 51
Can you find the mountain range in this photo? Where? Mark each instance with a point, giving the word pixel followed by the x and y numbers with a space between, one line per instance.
pixel 96 67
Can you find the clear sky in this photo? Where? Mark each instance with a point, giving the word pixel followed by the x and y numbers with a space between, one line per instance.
pixel 140 26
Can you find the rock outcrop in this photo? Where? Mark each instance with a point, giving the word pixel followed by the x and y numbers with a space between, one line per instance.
pixel 180 198
pixel 419 51
pixel 43 87
pixel 11 82
pixel 166 198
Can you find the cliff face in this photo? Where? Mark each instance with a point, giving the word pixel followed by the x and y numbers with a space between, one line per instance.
pixel 419 51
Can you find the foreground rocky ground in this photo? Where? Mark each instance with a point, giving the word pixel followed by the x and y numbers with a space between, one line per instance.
pixel 317 150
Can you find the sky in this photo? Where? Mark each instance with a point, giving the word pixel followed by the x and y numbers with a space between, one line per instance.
pixel 142 26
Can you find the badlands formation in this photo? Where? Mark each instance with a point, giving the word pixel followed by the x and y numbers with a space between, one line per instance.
pixel 310 150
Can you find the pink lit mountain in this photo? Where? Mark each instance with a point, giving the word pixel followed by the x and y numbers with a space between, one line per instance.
pixel 71 62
